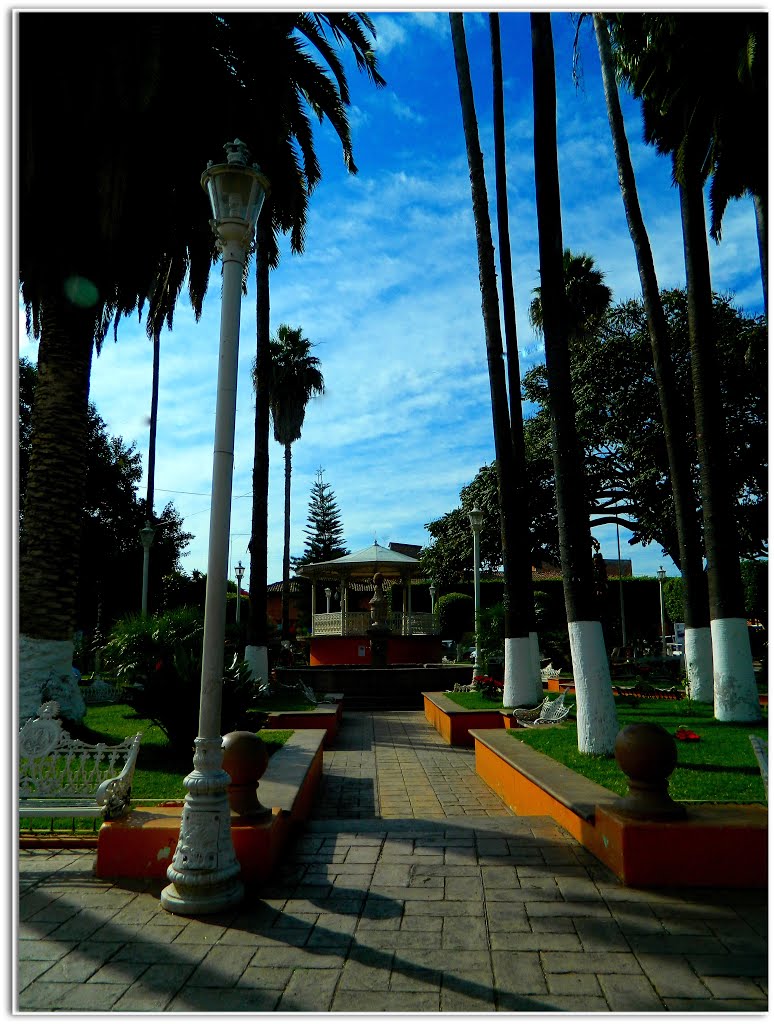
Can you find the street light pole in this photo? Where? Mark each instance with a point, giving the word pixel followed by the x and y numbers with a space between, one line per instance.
pixel 239 571
pixel 147 533
pixel 327 593
pixel 204 874
pixel 661 577
pixel 476 517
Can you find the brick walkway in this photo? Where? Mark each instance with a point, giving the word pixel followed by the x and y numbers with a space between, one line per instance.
pixel 447 902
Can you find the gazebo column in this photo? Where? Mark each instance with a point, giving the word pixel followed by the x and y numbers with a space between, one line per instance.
pixel 407 592
pixel 314 601
pixel 344 602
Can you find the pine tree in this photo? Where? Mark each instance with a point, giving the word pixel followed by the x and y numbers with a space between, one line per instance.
pixel 324 532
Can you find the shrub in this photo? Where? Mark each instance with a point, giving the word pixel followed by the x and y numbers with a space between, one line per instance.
pixel 159 659
pixel 455 615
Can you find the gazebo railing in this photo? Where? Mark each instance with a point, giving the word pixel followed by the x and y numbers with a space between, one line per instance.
pixel 356 624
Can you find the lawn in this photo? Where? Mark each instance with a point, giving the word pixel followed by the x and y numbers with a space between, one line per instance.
pixel 720 768
pixel 474 701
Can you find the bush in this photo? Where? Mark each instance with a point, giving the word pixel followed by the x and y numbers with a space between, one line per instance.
pixel 159 659
pixel 455 615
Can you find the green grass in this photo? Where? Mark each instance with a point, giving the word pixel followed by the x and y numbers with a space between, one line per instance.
pixel 721 768
pixel 160 770
pixel 474 701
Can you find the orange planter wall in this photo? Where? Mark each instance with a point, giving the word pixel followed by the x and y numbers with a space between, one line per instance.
pixel 454 728
pixel 716 846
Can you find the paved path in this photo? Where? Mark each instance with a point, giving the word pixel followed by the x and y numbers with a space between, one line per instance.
pixel 447 902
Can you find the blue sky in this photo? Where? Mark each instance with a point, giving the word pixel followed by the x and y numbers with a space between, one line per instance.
pixel 388 291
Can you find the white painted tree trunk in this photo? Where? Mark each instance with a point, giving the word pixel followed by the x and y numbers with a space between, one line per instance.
pixel 258 660
pixel 595 707
pixel 535 648
pixel 698 663
pixel 48 664
pixel 519 684
pixel 736 695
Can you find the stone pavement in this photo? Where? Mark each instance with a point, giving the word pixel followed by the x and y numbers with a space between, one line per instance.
pixel 413 890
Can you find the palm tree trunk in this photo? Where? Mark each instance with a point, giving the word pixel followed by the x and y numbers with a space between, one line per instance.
pixel 762 227
pixel 286 549
pixel 519 679
pixel 698 643
pixel 256 650
pixel 736 694
pixel 597 722
pixel 522 561
pixel 154 414
pixel 50 541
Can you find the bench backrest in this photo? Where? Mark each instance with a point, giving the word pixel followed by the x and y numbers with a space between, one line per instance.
pixel 52 764
pixel 555 710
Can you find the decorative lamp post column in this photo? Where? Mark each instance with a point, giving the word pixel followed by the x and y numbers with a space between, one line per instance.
pixel 204 874
pixel 328 599
pixel 476 517
pixel 239 571
pixel 661 577
pixel 147 533
pixel 432 598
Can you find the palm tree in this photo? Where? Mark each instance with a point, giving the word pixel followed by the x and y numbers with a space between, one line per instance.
pixel 664 58
pixel 597 722
pixel 134 206
pixel 294 378
pixel 517 599
pixel 522 562
pixel 258 51
pixel 114 234
pixel 698 642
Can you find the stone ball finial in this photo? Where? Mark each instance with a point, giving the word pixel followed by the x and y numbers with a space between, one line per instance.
pixel 647 755
pixel 245 759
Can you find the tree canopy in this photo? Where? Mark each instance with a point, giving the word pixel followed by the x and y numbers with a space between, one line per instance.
pixel 620 424
pixel 110 577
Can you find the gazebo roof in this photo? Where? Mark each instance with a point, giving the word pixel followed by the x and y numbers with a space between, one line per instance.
pixel 363 564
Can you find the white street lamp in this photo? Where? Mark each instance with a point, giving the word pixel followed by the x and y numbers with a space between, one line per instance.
pixel 239 571
pixel 661 574
pixel 327 599
pixel 476 517
pixel 204 874
pixel 147 533
pixel 432 599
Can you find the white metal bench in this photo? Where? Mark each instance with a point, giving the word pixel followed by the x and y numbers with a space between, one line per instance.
pixel 60 777
pixel 761 751
pixel 548 713
pixel 100 692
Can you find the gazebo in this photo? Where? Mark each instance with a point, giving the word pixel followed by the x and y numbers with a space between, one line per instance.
pixel 342 637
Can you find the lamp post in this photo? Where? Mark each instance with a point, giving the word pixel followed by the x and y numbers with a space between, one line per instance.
pixel 147 533
pixel 204 874
pixel 432 598
pixel 661 577
pixel 476 517
pixel 327 599
pixel 239 571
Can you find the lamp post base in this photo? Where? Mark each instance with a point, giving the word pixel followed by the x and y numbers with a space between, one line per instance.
pixel 204 874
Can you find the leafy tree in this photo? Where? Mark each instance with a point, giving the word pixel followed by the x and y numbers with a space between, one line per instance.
pixel 621 429
pixel 448 558
pixel 597 723
pixel 324 531
pixel 295 378
pixel 112 514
